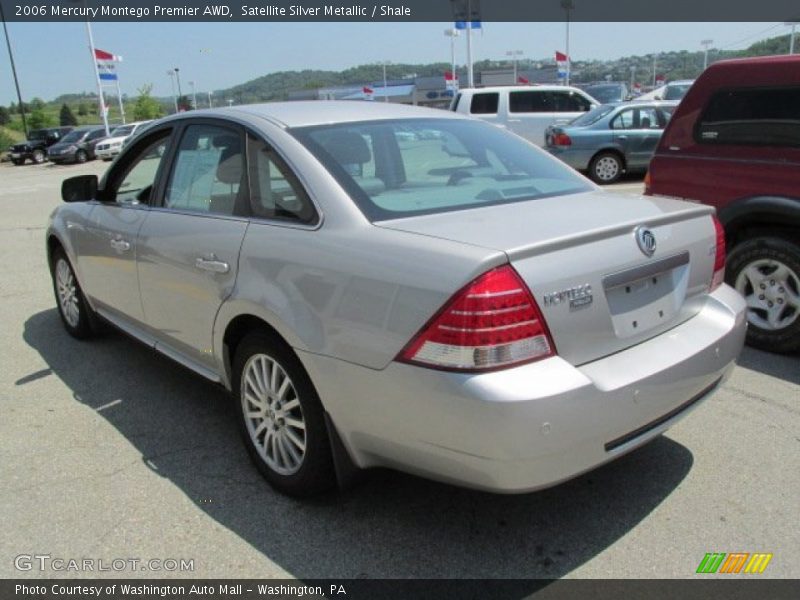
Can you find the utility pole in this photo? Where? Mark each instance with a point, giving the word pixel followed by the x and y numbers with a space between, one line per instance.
pixel 178 79
pixel 792 24
pixel 194 96
pixel 14 72
pixel 210 105
pixel 655 59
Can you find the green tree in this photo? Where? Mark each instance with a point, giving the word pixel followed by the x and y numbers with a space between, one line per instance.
pixel 146 107
pixel 37 119
pixel 37 104
pixel 66 117
pixel 82 110
pixel 5 116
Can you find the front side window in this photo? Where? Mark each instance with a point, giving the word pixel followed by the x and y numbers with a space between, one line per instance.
pixel 208 171
pixel 637 118
pixel 762 117
pixel 135 185
pixel 484 103
pixel 275 192
pixel 570 102
pixel 451 164
pixel 96 135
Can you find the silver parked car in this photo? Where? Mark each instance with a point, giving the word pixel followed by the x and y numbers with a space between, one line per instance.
pixel 380 285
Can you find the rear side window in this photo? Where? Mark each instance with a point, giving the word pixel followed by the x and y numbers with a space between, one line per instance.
pixel 484 104
pixel 759 117
pixel 454 105
pixel 530 102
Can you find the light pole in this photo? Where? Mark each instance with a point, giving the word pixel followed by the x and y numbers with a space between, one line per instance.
pixel 385 84
pixel 178 79
pixel 655 60
pixel 633 76
pixel 567 5
pixel 14 72
pixel 194 96
pixel 452 34
pixel 791 24
pixel 210 105
pixel 171 74
pixel 514 54
pixel 705 44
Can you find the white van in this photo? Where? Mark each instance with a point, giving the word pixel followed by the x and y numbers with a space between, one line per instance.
pixel 528 110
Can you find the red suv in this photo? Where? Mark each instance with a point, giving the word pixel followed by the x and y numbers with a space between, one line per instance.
pixel 734 143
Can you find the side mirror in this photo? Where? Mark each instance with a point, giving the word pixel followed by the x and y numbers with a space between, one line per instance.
pixel 79 189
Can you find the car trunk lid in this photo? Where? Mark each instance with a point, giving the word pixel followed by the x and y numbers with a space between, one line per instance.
pixel 599 291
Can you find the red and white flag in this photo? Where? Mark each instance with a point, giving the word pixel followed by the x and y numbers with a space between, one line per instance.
pixel 367 91
pixel 660 79
pixel 562 62
pixel 523 80
pixel 103 55
pixel 450 80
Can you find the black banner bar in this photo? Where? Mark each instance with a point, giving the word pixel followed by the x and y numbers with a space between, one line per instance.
pixel 402 10
pixel 702 588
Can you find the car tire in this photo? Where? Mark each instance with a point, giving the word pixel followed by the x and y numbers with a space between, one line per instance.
pixel 38 156
pixel 106 159
pixel 281 417
pixel 766 271
pixel 606 168
pixel 73 309
pixel 81 156
pixel 18 161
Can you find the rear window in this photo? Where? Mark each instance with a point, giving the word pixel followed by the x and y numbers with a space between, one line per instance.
pixel 676 91
pixel 400 168
pixel 591 117
pixel 484 104
pixel 759 117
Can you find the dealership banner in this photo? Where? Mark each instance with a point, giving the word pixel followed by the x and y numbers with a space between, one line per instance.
pixel 402 10
pixel 391 589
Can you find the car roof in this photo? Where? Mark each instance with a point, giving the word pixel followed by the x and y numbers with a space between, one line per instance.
pixel 320 112
pixel 524 88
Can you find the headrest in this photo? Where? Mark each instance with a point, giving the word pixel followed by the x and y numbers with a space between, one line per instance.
pixel 230 169
pixel 347 147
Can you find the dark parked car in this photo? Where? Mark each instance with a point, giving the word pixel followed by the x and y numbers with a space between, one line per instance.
pixel 606 93
pixel 611 139
pixel 77 146
pixel 734 143
pixel 35 147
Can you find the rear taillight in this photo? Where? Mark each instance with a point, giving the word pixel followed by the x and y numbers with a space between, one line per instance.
pixel 719 255
pixel 491 323
pixel 648 190
pixel 562 139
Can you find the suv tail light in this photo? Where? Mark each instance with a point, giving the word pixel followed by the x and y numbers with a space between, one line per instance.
pixel 491 323
pixel 562 139
pixel 648 189
pixel 719 256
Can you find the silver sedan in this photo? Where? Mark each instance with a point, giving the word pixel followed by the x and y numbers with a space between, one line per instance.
pixel 380 285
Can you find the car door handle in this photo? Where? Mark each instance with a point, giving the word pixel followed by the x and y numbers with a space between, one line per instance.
pixel 622 138
pixel 120 245
pixel 212 264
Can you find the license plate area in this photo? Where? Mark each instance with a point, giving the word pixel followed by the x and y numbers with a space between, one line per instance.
pixel 645 297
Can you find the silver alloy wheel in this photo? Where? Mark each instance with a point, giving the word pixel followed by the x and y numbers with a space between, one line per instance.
pixel 606 168
pixel 273 415
pixel 67 293
pixel 772 292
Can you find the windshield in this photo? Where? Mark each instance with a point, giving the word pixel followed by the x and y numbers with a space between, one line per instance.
pixel 73 136
pixel 676 92
pixel 606 93
pixel 591 117
pixel 400 168
pixel 122 131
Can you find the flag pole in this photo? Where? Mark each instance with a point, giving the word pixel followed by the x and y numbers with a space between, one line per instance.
pixel 470 73
pixel 121 105
pixel 103 111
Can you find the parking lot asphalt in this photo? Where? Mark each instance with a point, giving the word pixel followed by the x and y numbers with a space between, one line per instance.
pixel 112 451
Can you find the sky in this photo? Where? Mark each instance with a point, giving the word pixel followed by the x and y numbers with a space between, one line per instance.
pixel 53 58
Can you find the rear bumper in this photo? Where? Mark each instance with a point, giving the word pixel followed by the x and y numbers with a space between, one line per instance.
pixel 536 425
